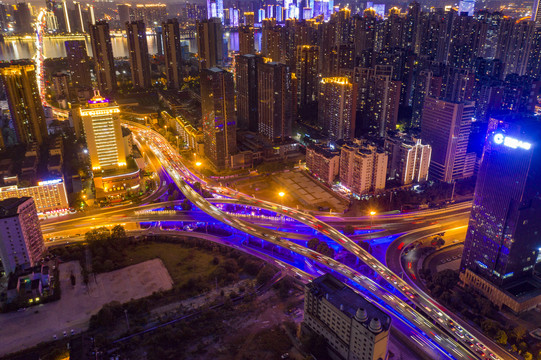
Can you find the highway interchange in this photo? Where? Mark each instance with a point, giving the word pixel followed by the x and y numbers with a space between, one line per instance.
pixel 435 324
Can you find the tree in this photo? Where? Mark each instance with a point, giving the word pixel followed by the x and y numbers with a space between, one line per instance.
pixel 313 243
pixel 186 205
pixel 264 275
pixel 501 337
pixel 118 232
pixel 518 333
pixel 349 230
pixel 528 356
pixel 446 279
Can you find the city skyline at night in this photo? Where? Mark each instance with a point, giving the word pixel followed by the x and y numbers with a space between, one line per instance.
pixel 287 179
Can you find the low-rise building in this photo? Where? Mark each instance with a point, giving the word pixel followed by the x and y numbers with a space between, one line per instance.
pixel 363 167
pixel 323 162
pixel 352 327
pixel 48 195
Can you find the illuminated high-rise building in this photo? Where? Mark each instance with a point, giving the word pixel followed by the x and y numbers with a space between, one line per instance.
pixel 246 86
pixel 307 74
pixel 246 40
pixel 173 54
pixel 139 58
pixel 78 64
pixel 103 134
pixel 445 126
pixel 218 114
pixel 24 102
pixel 274 101
pixel 21 240
pixel 151 14
pixel 502 243
pixel 336 107
pixel 209 43
pixel 249 19
pixel 102 51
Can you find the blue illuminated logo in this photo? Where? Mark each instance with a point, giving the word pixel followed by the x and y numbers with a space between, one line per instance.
pixel 510 142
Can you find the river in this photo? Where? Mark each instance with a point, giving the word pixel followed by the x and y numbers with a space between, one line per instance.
pixel 54 47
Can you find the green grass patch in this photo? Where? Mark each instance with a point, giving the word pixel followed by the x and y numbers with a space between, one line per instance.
pixel 182 263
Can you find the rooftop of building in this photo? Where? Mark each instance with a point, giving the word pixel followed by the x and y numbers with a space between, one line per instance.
pixel 324 150
pixel 524 289
pixel 10 207
pixel 348 301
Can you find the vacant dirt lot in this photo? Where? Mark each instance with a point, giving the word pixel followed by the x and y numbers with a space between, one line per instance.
pixel 19 330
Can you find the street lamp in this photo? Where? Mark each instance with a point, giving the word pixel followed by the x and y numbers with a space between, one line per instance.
pixel 166 131
pixel 372 213
pixel 198 164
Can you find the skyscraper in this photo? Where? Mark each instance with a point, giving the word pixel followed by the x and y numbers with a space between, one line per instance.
pixel 378 98
pixel 246 40
pixel 209 43
pixel 103 56
pixel 502 243
pixel 172 52
pixel 246 86
pixel 78 64
pixel 21 240
pixel 218 112
pixel 24 102
pixel 336 107
pixel 138 48
pixel 79 23
pixel 125 13
pixel 307 74
pixel 445 126
pixel 103 134
pixel 274 101
pixel 23 19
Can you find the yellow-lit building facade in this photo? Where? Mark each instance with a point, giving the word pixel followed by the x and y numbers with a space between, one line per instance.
pixel 49 196
pixel 112 178
pixel 103 134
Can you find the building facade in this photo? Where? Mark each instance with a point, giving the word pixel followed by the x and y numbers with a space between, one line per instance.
pixel 102 51
pixel 209 43
pixel 274 101
pixel 409 160
pixel 246 85
pixel 21 240
pixel 173 53
pixel 24 103
pixel 138 49
pixel 103 134
pixel 502 242
pixel 363 167
pixel 445 126
pixel 323 162
pixel 78 64
pixel 48 195
pixel 219 121
pixel 352 327
pixel 336 107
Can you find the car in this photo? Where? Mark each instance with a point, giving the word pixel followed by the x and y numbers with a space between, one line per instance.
pixel 285 356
